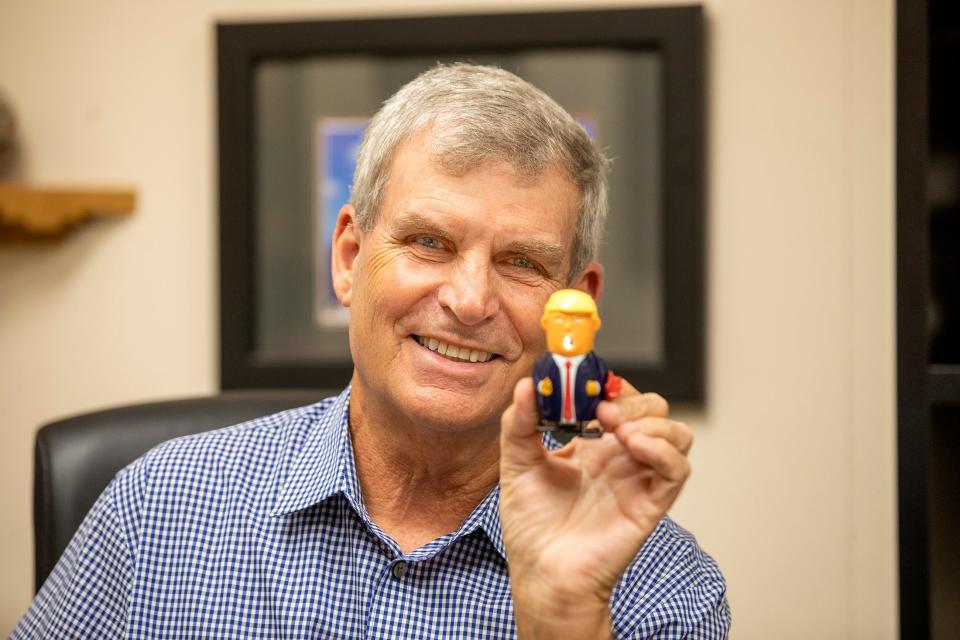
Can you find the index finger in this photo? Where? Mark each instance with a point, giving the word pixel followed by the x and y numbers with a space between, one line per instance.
pixel 631 405
pixel 676 433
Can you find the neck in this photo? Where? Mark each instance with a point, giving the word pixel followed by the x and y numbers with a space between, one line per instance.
pixel 418 483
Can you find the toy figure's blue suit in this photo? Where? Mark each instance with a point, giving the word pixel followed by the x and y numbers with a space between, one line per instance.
pixel 583 403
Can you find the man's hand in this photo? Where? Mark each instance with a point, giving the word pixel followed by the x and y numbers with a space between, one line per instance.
pixel 573 519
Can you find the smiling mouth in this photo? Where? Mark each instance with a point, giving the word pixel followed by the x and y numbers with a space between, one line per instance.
pixel 454 352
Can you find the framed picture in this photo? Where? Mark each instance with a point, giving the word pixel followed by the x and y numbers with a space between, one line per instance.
pixel 294 99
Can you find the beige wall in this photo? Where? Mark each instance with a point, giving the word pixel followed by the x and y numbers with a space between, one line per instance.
pixel 794 487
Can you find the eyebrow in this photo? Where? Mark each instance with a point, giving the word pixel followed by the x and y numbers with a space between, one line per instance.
pixel 547 251
pixel 410 221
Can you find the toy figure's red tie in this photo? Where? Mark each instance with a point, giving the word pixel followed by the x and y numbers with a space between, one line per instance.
pixel 567 408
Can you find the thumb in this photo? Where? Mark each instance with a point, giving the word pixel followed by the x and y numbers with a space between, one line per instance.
pixel 520 442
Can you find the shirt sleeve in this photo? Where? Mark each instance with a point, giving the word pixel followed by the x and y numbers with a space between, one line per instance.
pixel 700 612
pixel 672 590
pixel 86 594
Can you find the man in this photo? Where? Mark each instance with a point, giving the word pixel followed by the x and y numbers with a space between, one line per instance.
pixel 421 502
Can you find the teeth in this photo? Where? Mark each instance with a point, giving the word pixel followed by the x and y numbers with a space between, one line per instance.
pixel 453 351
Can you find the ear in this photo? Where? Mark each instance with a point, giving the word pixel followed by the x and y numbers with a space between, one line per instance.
pixel 590 280
pixel 343 253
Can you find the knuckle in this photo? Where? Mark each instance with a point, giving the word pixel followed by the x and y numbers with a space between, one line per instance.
pixel 645 423
pixel 663 448
pixel 637 437
pixel 630 427
pixel 642 444
pixel 685 433
pixel 656 403
pixel 628 390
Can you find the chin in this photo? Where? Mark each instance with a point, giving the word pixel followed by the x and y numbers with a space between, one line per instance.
pixel 451 411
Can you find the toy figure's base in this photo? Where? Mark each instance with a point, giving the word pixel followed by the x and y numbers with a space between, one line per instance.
pixel 582 429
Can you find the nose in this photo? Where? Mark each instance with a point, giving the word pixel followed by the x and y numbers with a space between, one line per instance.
pixel 469 293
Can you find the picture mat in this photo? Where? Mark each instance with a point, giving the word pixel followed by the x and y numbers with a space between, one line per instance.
pixel 619 89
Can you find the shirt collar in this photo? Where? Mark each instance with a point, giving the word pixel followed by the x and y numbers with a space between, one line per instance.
pixel 489 520
pixel 488 512
pixel 573 360
pixel 317 461
pixel 320 464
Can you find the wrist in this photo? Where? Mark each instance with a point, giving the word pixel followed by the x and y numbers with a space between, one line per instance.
pixel 554 613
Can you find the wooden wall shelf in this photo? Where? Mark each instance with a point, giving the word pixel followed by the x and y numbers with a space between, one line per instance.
pixel 28 213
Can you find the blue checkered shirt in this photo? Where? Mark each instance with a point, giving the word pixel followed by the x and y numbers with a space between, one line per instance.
pixel 260 531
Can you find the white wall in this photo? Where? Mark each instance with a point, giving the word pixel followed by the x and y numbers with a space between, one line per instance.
pixel 794 487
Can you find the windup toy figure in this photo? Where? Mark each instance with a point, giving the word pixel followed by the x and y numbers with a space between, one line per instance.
pixel 570 379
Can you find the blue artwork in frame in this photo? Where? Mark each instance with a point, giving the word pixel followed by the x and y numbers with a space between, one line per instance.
pixel 337 144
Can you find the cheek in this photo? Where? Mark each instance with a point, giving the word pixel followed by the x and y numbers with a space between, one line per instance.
pixel 391 284
pixel 377 268
pixel 583 335
pixel 525 316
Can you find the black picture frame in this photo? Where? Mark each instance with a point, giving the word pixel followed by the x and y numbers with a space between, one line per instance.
pixel 675 33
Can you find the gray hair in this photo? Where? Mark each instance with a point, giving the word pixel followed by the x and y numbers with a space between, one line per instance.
pixel 476 113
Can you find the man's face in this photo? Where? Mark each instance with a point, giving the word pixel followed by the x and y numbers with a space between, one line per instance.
pixel 569 334
pixel 447 289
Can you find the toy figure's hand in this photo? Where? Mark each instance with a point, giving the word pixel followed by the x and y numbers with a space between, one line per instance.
pixel 613 386
pixel 593 388
pixel 545 387
pixel 573 519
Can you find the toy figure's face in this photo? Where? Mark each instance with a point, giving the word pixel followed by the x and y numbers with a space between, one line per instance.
pixel 569 334
pixel 446 290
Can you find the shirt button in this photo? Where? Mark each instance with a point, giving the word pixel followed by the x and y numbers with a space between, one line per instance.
pixel 399 570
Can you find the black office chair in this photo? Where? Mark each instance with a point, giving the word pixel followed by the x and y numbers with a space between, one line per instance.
pixel 77 457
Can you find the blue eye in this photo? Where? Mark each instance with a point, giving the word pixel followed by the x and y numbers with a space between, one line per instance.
pixel 429 242
pixel 523 263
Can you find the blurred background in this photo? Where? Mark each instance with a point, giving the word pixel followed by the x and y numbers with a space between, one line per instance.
pixel 794 485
